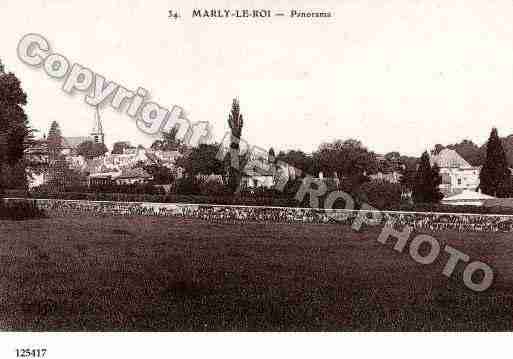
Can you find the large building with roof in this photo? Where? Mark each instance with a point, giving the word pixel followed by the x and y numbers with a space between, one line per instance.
pixel 457 174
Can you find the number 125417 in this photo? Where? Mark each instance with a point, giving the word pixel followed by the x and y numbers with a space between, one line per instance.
pixel 30 353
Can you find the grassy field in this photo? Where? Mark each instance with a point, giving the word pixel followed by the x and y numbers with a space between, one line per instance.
pixel 154 273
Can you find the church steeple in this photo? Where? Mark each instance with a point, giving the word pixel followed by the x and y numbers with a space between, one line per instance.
pixel 97 132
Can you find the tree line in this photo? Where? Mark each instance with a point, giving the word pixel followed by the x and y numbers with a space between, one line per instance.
pixel 349 161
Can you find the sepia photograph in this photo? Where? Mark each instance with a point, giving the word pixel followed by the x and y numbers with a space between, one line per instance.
pixel 271 167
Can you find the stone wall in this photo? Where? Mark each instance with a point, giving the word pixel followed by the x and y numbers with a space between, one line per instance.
pixel 417 220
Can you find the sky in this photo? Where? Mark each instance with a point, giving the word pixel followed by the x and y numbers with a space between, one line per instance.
pixel 399 75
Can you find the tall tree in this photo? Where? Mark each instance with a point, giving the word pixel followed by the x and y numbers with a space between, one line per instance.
pixel 236 122
pixel 54 140
pixel 56 162
pixel 271 156
pixel 15 132
pixel 427 182
pixel 495 172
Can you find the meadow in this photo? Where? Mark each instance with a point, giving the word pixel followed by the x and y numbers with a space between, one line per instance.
pixel 169 273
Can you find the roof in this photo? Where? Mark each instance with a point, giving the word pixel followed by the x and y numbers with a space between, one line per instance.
pixel 468 195
pixel 73 142
pixel 37 146
pixel 448 158
pixel 133 173
pixel 166 156
pixel 104 174
pixel 257 172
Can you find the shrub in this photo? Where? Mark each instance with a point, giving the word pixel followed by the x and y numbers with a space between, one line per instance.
pixel 188 185
pixel 19 210
pixel 213 187
pixel 382 194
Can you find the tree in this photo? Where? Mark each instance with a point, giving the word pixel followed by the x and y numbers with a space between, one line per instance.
pixel 427 182
pixel 57 166
pixel 271 156
pixel 234 166
pixel 393 156
pixel 15 132
pixel 470 152
pixel 169 141
pixel 408 178
pixel 495 172
pixel 161 174
pixel 300 161
pixel 201 160
pixel 119 147
pixel 63 175
pixel 437 149
pixel 54 140
pixel 382 194
pixel 349 159
pixel 90 150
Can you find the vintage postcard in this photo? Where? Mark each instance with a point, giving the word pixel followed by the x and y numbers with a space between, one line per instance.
pixel 253 166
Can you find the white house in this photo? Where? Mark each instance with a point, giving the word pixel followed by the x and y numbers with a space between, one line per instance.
pixel 457 174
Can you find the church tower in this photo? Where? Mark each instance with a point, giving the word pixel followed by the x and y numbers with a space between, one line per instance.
pixel 97 132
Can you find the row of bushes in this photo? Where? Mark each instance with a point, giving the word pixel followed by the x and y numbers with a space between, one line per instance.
pixel 379 194
pixel 137 189
pixel 168 198
pixel 251 199
pixel 19 210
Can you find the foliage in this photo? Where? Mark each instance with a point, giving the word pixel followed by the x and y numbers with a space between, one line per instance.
pixel 408 178
pixel 234 167
pixel 90 150
pixel 169 141
pixel 15 132
pixel 382 194
pixel 470 152
pixel 300 161
pixel 62 175
pixel 437 149
pixel 15 176
pixel 427 182
pixel 54 140
pixel 213 187
pixel 82 190
pixel 201 160
pixel 161 174
pixel 349 158
pixel 188 185
pixel 495 172
pixel 19 210
pixel 119 147
pixel 271 156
